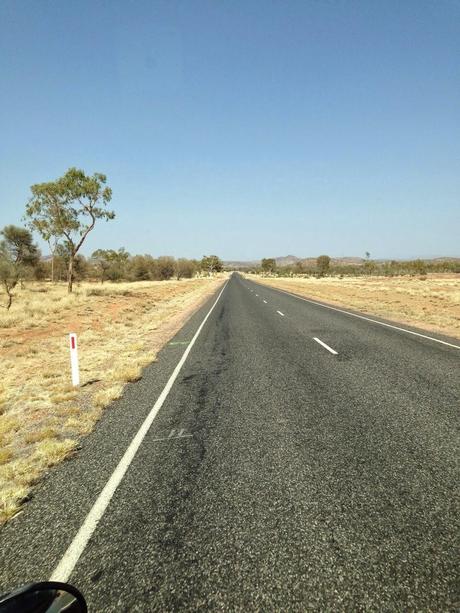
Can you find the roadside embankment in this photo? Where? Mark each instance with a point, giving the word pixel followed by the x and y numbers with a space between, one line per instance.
pixel 120 328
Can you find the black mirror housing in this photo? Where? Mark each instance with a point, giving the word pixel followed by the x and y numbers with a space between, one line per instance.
pixel 42 597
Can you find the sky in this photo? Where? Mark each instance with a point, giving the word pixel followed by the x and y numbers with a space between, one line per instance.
pixel 246 128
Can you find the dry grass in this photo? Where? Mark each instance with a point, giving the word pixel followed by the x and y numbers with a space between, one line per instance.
pixel 431 303
pixel 120 329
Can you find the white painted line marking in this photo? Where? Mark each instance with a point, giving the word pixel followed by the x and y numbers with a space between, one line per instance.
pixel 375 321
pixel 282 314
pixel 265 301
pixel 65 567
pixel 257 295
pixel 325 346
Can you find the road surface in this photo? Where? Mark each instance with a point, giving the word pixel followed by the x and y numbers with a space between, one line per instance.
pixel 302 458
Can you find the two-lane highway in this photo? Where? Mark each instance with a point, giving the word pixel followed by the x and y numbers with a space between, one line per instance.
pixel 301 458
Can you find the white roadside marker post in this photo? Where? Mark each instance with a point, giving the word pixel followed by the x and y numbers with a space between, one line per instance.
pixel 74 359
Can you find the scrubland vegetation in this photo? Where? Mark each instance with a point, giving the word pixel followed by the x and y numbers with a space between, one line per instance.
pixel 324 265
pixel 42 416
pixel 125 307
pixel 121 322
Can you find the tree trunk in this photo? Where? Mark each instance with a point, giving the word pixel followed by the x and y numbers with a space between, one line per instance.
pixel 52 267
pixel 9 294
pixel 70 275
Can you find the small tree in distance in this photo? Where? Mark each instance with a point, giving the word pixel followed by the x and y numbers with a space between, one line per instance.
pixel 18 253
pixel 110 264
pixel 166 267
pixel 322 263
pixel 212 264
pixel 9 274
pixel 268 264
pixel 20 245
pixel 68 208
pixel 102 261
pixel 369 265
pixel 185 269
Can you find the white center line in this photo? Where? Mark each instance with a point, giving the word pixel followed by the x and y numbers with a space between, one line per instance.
pixel 374 321
pixel 65 567
pixel 282 314
pixel 325 346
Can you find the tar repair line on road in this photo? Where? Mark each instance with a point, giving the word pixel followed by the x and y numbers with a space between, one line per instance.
pixel 69 560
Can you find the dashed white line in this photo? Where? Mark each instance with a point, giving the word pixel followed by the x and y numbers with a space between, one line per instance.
pixel 65 567
pixel 265 301
pixel 325 346
pixel 374 321
pixel 279 312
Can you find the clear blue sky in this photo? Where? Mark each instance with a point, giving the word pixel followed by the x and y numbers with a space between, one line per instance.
pixel 242 128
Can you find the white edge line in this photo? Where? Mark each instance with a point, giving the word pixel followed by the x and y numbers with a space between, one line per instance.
pixel 68 561
pixel 375 321
pixel 325 346
pixel 282 314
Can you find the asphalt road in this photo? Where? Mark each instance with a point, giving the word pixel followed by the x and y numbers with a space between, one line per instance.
pixel 276 476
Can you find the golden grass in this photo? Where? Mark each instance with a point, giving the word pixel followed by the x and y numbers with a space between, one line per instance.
pixel 40 435
pixel 5 455
pixel 107 395
pixel 120 329
pixel 431 303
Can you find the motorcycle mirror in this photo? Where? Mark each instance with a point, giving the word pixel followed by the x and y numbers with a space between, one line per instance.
pixel 44 597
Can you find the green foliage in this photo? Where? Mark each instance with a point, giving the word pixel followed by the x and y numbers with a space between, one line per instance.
pixel 68 209
pixel 19 255
pixel 323 263
pixel 268 264
pixel 211 264
pixel 375 267
pixel 20 246
pixel 110 264
pixel 9 273
pixel 419 267
pixel 165 267
pixel 142 268
pixel 185 268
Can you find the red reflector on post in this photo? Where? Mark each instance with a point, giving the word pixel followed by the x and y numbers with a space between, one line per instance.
pixel 74 360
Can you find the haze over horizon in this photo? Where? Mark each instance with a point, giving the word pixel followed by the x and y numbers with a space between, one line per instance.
pixel 244 129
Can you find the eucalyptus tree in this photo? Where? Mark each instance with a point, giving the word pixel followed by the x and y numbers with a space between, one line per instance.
pixel 18 253
pixel 211 263
pixel 68 208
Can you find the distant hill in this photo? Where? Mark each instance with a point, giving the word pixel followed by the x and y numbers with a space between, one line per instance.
pixel 286 260
pixel 237 265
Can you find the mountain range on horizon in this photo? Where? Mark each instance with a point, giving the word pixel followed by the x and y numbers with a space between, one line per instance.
pixel 289 260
